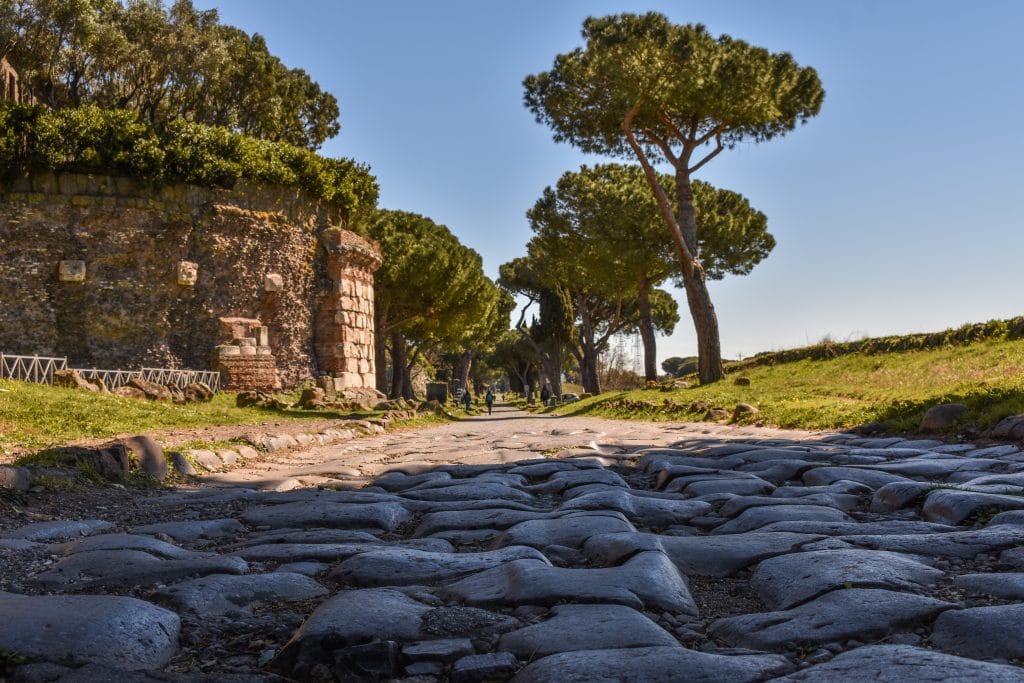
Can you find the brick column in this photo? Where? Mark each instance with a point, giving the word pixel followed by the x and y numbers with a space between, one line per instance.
pixel 344 321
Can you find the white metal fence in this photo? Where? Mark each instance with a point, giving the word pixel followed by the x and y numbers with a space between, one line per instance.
pixel 40 369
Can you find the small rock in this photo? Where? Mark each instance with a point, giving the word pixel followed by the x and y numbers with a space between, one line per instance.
pixel 942 417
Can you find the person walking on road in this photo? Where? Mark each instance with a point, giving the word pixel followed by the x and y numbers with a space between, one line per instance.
pixel 489 398
pixel 467 399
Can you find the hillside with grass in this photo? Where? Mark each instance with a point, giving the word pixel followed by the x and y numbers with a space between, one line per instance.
pixel 856 385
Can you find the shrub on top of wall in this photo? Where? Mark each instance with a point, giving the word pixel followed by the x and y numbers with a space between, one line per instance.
pixel 89 139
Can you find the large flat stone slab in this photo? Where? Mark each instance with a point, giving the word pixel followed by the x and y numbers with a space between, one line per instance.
pixel 818 476
pixel 1009 586
pixel 963 544
pixel 874 663
pixel 654 664
pixel 225 594
pixel 331 552
pixel 855 613
pixel 570 530
pixel 350 618
pixel 756 517
pixel 700 555
pixel 788 580
pixel 648 579
pixel 80 629
pixel 48 532
pixel 644 510
pixel 146 544
pixel 465 520
pixel 981 632
pixel 586 627
pixel 950 506
pixel 405 566
pixel 386 516
pixel 94 569
pixel 194 530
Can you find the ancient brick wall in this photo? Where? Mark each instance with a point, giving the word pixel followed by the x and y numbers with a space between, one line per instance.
pixel 118 274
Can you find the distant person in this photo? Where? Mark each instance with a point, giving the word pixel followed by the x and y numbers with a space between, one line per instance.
pixel 545 394
pixel 467 399
pixel 490 400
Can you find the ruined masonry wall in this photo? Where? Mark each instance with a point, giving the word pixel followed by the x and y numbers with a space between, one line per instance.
pixel 161 265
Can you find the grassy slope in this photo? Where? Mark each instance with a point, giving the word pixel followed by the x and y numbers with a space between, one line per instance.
pixel 895 388
pixel 36 416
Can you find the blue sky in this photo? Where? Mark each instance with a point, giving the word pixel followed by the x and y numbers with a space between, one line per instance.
pixel 895 210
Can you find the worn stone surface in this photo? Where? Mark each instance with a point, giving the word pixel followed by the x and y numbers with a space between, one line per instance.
pixel 874 663
pixel 855 613
pixel 545 547
pixel 786 581
pixel 119 631
pixel 650 664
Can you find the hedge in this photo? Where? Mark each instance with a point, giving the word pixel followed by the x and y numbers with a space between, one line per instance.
pixel 89 139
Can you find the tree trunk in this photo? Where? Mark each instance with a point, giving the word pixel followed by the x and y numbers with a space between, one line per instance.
pixel 407 393
pixel 380 349
pixel 465 364
pixel 398 352
pixel 647 331
pixel 705 321
pixel 588 360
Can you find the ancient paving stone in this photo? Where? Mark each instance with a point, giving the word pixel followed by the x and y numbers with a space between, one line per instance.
pixel 788 580
pixel 899 494
pixel 194 530
pixel 752 518
pixel 873 663
pixel 236 595
pixel 119 631
pixel 305 568
pixel 1008 585
pixel 586 627
pixel 44 532
pixel 735 506
pixel 545 468
pixel 146 544
pixel 951 506
pixel 647 579
pixel 332 552
pixel 442 650
pixel 700 555
pixel 847 528
pixel 310 536
pixel 570 530
pixel 495 518
pixel 953 544
pixel 567 479
pixel 404 566
pixel 208 460
pixel 826 475
pixel 97 568
pixel 739 487
pixel 644 510
pixel 839 487
pixel 385 516
pixel 468 490
pixel 982 632
pixel 855 613
pixel 350 618
pixel 399 481
pixel 778 471
pixel 651 664
pixel 494 666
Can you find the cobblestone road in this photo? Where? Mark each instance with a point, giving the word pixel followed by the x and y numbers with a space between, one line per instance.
pixel 546 549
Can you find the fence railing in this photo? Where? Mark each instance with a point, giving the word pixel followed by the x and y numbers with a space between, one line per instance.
pixel 182 378
pixel 40 369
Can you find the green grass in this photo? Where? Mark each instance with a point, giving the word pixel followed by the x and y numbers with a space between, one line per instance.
pixel 851 390
pixel 34 416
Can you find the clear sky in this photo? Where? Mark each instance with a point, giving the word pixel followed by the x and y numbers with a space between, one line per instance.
pixel 895 210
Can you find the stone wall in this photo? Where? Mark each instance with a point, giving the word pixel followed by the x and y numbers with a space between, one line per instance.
pixel 157 267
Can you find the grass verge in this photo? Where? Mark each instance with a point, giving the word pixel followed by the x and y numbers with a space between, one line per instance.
pixel 894 389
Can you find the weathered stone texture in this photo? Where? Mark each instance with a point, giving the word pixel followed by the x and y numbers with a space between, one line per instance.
pixel 132 309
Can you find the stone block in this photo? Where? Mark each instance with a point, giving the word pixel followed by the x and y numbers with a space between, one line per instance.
pixel 261 334
pixel 188 273
pixel 71 271
pixel 273 282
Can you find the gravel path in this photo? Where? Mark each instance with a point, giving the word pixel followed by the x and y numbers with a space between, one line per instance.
pixel 537 548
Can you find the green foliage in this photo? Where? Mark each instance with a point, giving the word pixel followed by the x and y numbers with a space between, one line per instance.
pixel 162 63
pixel 89 139
pixel 682 81
pixel 677 367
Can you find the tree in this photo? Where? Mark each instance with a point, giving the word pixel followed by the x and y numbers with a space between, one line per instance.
pixel 602 223
pixel 677 367
pixel 646 88
pixel 162 63
pixel 431 295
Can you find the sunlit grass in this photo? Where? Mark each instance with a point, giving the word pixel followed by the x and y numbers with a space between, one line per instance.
pixel 893 388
